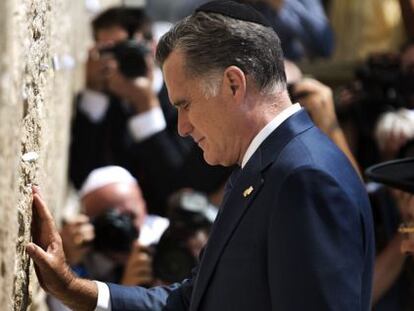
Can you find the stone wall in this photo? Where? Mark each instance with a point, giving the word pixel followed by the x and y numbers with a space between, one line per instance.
pixel 43 45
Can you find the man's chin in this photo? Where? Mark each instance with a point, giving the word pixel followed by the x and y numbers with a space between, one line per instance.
pixel 209 159
pixel 214 161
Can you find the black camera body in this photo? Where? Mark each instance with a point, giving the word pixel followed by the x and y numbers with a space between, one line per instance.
pixel 114 232
pixel 130 56
pixel 173 261
pixel 384 86
pixel 381 85
pixel 189 213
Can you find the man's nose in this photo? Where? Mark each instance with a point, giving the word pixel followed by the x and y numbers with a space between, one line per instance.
pixel 184 125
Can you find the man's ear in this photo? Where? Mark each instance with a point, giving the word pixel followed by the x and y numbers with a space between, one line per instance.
pixel 235 81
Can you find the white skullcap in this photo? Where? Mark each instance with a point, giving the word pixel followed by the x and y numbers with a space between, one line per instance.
pixel 104 176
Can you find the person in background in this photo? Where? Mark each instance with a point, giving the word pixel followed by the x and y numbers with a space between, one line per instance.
pixel 111 192
pixel 302 26
pixel 191 216
pixel 113 238
pixel 407 246
pixel 363 28
pixel 125 118
pixel 391 190
pixel 393 273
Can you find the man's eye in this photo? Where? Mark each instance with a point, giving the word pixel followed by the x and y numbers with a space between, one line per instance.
pixel 185 106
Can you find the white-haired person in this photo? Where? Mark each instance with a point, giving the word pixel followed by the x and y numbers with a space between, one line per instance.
pixel 107 192
pixel 111 195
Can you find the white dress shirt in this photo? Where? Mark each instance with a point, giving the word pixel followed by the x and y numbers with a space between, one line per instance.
pixel 267 130
pixel 142 126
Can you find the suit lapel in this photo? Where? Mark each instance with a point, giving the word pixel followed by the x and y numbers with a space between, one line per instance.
pixel 244 191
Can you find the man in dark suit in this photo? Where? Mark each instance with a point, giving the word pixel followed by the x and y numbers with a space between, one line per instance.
pixel 294 231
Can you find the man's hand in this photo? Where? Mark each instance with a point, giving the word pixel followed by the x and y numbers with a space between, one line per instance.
pixel 138 93
pixel 96 68
pixel 77 235
pixel 138 270
pixel 47 251
pixel 103 75
pixel 52 271
pixel 318 100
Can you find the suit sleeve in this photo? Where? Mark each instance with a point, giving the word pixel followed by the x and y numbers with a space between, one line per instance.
pixel 142 299
pixel 316 252
pixel 175 297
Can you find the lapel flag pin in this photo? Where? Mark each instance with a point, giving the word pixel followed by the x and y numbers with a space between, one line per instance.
pixel 248 192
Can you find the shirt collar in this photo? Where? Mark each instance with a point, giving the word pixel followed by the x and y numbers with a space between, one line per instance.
pixel 267 130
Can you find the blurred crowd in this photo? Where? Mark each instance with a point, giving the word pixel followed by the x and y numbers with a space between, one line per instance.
pixel 147 199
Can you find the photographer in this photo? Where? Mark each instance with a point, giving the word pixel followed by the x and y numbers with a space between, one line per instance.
pixel 103 242
pixel 114 106
pixel 383 85
pixel 120 120
pixel 191 217
pixel 391 194
pixel 112 239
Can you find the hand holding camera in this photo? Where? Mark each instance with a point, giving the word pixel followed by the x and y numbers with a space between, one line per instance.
pixel 124 70
pixel 110 232
pixel 138 269
pixel 138 92
pixel 77 235
pixel 317 99
pixel 96 67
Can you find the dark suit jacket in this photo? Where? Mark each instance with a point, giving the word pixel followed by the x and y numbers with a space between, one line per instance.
pixel 301 240
pixel 162 163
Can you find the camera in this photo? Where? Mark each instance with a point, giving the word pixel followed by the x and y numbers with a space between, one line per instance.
pixel 191 209
pixel 173 259
pixel 384 86
pixel 130 56
pixel 114 232
pixel 381 85
pixel 190 214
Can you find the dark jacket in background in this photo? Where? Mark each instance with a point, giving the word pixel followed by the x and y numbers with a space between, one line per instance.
pixel 162 163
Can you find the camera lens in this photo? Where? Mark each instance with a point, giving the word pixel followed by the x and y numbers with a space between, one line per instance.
pixel 114 232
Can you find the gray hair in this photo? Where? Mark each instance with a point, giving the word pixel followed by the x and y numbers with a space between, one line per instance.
pixel 212 42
